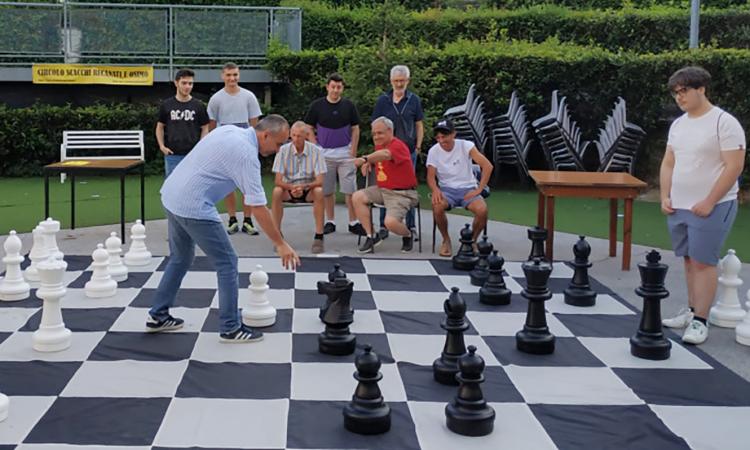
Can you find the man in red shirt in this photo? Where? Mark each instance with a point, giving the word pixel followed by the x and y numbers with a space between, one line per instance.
pixel 396 186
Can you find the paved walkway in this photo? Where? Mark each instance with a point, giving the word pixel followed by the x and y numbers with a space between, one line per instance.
pixel 511 240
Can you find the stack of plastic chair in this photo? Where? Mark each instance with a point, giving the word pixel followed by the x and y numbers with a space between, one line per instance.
pixel 469 120
pixel 509 137
pixel 618 141
pixel 560 137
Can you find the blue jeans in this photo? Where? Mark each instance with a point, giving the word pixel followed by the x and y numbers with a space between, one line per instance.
pixel 170 162
pixel 212 238
pixel 410 213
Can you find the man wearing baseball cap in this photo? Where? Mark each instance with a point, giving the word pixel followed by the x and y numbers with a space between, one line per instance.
pixel 450 176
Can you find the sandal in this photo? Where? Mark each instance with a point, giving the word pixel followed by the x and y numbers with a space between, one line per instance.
pixel 446 249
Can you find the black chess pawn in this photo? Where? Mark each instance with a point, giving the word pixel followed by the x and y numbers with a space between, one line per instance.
pixel 649 341
pixel 579 291
pixel 535 337
pixel 445 368
pixel 367 413
pixel 336 339
pixel 538 236
pixel 469 414
pixel 494 291
pixel 465 259
pixel 481 271
pixel 335 273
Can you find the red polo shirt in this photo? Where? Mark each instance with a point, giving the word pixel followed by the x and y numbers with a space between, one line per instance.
pixel 397 172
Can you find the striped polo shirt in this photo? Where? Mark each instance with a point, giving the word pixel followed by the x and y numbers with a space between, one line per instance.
pixel 227 158
pixel 299 168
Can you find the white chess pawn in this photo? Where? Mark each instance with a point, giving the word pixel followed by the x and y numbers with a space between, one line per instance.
pixel 51 227
pixel 117 270
pixel 13 287
pixel 259 312
pixel 4 406
pixel 742 332
pixel 727 312
pixel 138 255
pixel 101 284
pixel 38 253
pixel 52 336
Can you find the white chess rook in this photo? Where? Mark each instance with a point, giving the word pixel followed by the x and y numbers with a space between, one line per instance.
pixel 4 405
pixel 728 312
pixel 13 287
pixel 101 283
pixel 52 336
pixel 117 270
pixel 259 312
pixel 37 254
pixel 51 227
pixel 138 255
pixel 742 332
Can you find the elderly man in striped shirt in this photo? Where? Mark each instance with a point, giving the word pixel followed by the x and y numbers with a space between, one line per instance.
pixel 300 169
pixel 226 158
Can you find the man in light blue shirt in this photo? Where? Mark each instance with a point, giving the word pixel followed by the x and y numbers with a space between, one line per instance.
pixel 225 159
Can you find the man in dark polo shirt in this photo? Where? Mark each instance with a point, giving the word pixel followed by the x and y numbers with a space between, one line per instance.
pixel 396 186
pixel 183 121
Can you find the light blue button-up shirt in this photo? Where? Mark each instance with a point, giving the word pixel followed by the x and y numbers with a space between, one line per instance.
pixel 225 159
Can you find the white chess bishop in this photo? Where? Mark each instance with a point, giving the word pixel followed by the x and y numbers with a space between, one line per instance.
pixel 38 253
pixel 728 312
pixel 117 270
pixel 138 255
pixel 259 312
pixel 52 336
pixel 101 283
pixel 13 287
pixel 50 228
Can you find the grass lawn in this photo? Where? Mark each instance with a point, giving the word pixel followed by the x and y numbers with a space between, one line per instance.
pixel 97 203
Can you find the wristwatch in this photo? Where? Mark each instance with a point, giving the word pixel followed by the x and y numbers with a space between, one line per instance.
pixel 365 158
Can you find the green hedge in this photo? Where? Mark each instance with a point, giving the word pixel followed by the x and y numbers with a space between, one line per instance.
pixel 591 78
pixel 30 137
pixel 649 30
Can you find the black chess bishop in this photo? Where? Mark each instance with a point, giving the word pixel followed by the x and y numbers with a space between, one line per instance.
pixel 445 368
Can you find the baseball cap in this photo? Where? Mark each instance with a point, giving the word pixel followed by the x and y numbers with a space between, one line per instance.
pixel 444 126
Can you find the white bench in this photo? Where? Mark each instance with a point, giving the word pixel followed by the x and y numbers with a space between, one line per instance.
pixel 101 145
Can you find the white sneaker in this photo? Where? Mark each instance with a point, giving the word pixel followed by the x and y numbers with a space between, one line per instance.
pixel 681 320
pixel 696 333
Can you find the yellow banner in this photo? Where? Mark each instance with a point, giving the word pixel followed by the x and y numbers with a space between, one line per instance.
pixel 92 74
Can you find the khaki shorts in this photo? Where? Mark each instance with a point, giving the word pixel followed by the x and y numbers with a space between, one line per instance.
pixel 347 174
pixel 397 203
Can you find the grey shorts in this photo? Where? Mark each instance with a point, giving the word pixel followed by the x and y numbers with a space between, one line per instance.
pixel 347 174
pixel 701 238
pixel 397 203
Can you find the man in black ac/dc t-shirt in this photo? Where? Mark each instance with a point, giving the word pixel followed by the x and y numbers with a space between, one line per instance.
pixel 183 121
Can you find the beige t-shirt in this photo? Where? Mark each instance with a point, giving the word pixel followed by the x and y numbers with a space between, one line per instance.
pixel 697 144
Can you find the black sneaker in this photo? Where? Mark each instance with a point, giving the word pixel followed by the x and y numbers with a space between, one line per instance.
pixel 383 234
pixel 329 228
pixel 168 324
pixel 247 227
pixel 407 243
pixel 241 335
pixel 370 244
pixel 233 226
pixel 357 229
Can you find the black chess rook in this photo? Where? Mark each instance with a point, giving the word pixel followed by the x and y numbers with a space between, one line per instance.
pixel 479 275
pixel 445 368
pixel 336 339
pixel 535 337
pixel 469 414
pixel 579 291
pixel 537 235
pixel 465 259
pixel 649 341
pixel 367 413
pixel 494 291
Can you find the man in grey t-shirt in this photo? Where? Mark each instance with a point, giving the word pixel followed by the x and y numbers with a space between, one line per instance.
pixel 234 105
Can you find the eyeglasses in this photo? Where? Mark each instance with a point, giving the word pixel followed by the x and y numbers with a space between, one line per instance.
pixel 681 91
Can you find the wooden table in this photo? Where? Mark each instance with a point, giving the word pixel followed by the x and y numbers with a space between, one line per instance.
pixel 607 185
pixel 74 167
